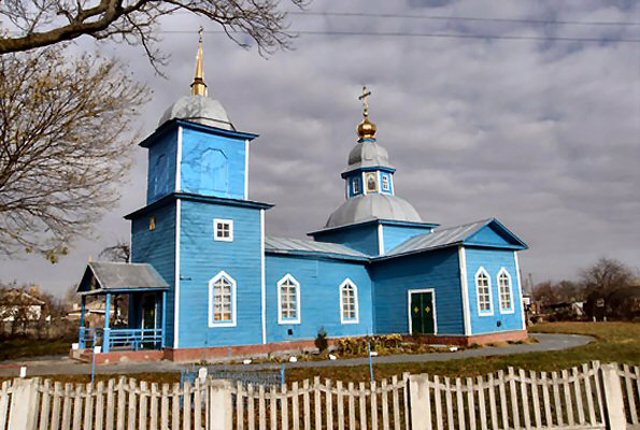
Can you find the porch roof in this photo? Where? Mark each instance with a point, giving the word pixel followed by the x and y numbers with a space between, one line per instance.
pixel 113 277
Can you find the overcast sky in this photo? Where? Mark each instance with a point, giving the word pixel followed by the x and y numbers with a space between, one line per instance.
pixel 541 134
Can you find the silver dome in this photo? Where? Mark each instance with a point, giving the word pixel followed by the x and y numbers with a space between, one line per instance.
pixel 373 206
pixel 367 154
pixel 200 109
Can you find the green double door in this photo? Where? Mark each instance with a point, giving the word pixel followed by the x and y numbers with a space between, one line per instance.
pixel 422 313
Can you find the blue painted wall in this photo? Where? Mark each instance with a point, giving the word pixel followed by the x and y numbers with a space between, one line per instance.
pixel 202 258
pixel 394 235
pixel 493 260
pixel 157 248
pixel 392 279
pixel 489 236
pixel 320 281
pixel 161 160
pixel 212 165
pixel 362 238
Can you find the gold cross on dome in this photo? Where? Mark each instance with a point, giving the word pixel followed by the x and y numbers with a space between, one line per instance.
pixel 365 102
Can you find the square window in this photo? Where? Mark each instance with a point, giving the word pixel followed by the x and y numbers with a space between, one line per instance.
pixel 385 183
pixel 223 230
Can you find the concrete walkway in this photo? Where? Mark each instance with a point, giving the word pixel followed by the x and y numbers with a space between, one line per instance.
pixel 65 366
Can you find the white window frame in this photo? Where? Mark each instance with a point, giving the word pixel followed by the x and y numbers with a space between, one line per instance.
pixel 488 312
pixel 216 236
pixel 298 318
pixel 356 319
pixel 212 282
pixel 356 189
pixel 503 308
pixel 385 183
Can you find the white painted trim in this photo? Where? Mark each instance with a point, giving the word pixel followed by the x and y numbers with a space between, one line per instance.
pixel 364 186
pixel 435 314
pixel 380 239
pixel 490 311
pixel 298 318
pixel 179 161
pixel 504 310
pixel 176 280
pixel 263 285
pixel 215 230
pixel 234 302
pixel 464 290
pixel 246 169
pixel 356 320
pixel 524 319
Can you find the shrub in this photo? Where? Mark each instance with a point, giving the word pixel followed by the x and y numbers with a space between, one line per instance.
pixel 322 342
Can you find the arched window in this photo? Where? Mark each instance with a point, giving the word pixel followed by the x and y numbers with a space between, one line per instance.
pixel 504 286
pixel 222 301
pixel 348 303
pixel 483 289
pixel 288 301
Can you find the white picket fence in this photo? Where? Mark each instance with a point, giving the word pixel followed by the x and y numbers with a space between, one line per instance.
pixel 592 396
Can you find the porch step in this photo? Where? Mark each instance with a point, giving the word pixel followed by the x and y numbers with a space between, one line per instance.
pixel 85 356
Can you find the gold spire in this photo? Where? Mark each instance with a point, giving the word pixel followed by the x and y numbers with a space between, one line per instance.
pixel 366 129
pixel 198 87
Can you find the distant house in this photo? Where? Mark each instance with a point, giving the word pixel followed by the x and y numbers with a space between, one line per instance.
pixel 17 304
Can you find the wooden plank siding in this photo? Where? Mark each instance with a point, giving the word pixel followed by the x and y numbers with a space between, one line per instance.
pixel 320 281
pixel 392 279
pixel 202 258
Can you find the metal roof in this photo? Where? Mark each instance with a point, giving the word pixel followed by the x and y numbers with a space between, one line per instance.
pixel 373 206
pixel 112 276
pixel 286 245
pixel 200 109
pixel 440 237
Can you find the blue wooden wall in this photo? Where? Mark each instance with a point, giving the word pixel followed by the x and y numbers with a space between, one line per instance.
pixel 202 258
pixel 320 281
pixel 394 235
pixel 161 159
pixel 157 248
pixel 212 165
pixel 492 261
pixel 392 279
pixel 363 238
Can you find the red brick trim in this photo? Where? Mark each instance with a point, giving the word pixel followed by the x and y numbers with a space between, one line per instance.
pixel 235 352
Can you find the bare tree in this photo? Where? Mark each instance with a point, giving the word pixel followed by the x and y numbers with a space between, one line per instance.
pixel 43 23
pixel 121 252
pixel 606 275
pixel 63 144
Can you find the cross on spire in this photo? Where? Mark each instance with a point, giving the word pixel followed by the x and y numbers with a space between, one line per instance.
pixel 365 102
pixel 198 87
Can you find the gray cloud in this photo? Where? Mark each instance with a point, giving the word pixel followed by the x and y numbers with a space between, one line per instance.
pixel 543 135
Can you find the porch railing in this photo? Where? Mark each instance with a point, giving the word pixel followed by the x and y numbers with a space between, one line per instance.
pixel 120 338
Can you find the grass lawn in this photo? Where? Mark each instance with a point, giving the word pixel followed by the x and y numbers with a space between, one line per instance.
pixel 27 348
pixel 615 341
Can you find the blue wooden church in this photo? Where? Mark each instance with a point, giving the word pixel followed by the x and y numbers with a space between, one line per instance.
pixel 206 280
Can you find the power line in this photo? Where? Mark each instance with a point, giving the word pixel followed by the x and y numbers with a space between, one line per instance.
pixel 435 35
pixel 466 18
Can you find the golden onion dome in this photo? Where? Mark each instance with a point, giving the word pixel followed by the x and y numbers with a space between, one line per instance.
pixel 367 129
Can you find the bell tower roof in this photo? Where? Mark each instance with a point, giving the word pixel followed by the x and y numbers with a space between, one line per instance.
pixel 199 107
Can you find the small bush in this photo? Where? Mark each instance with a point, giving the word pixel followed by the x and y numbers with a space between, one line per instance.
pixel 322 341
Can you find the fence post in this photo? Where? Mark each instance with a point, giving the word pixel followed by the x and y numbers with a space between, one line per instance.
pixel 418 402
pixel 221 410
pixel 23 404
pixel 614 402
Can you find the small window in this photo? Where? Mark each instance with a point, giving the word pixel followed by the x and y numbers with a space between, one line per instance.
pixel 356 185
pixel 385 183
pixel 222 301
pixel 504 285
pixel 223 230
pixel 483 288
pixel 288 301
pixel 348 303
pixel 152 223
